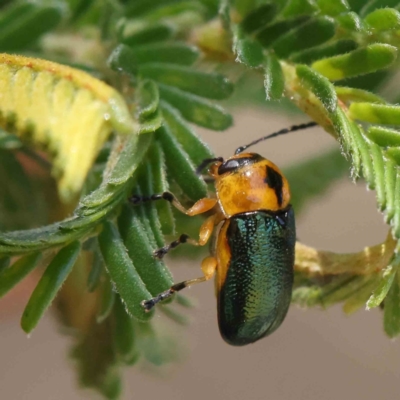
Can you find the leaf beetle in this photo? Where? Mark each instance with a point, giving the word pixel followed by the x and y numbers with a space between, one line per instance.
pixel 254 250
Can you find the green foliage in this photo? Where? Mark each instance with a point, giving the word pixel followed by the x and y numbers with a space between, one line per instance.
pixel 49 285
pixel 169 60
pixel 24 21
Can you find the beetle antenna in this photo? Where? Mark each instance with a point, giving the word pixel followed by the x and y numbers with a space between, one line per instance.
pixel 278 133
pixel 207 161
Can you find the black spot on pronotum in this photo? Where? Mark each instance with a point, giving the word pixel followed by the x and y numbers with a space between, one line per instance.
pixel 236 163
pixel 274 181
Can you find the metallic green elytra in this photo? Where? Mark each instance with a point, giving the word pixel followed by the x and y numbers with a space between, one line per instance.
pixel 255 297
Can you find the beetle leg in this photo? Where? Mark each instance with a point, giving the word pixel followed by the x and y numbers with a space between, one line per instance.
pixel 208 266
pixel 201 206
pixel 205 233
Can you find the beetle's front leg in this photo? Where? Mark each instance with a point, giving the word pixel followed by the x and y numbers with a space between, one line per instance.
pixel 201 206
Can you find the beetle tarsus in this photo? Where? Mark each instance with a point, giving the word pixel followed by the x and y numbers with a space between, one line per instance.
pixel 138 199
pixel 160 253
pixel 149 304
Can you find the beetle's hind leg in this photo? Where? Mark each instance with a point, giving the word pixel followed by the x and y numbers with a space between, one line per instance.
pixel 206 230
pixel 208 266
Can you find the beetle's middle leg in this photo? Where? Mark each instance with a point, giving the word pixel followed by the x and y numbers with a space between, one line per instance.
pixel 206 230
pixel 208 266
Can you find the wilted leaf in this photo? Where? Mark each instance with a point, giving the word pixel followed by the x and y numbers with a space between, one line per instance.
pixel 43 101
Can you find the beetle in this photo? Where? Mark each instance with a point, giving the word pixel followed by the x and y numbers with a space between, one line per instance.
pixel 255 240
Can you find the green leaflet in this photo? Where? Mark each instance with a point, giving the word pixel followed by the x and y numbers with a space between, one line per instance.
pixel 390 185
pixel 394 154
pixel 176 9
pixel 80 7
pixel 362 147
pixel 191 143
pixel 14 274
pixel 136 34
pixel 195 109
pixel 311 33
pixel 319 85
pixel 153 272
pixel 148 99
pixel 383 19
pixel 350 21
pixel 139 8
pixel 172 53
pixel 129 154
pixel 248 51
pixel 396 217
pixel 130 59
pixel 332 7
pixel 123 58
pixel 180 167
pixel 146 184
pixel 159 9
pixel 391 311
pixel 384 285
pixel 375 113
pixel 124 333
pixel 209 85
pixel 384 137
pixel 259 17
pixel 23 22
pixel 347 137
pixel 349 94
pixel 49 285
pixel 379 165
pixel 308 56
pixel 299 7
pixel 122 272
pixel 160 185
pixel 358 62
pixel 274 82
pixel 107 301
pixel 274 31
pixel 152 123
pixel 356 5
pixel 374 4
pixel 142 213
pixel 96 270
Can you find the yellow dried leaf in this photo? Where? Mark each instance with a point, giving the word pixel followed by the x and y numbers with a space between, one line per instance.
pixel 63 110
pixel 370 260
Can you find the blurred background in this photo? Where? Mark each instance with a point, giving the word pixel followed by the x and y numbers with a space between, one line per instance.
pixel 315 354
